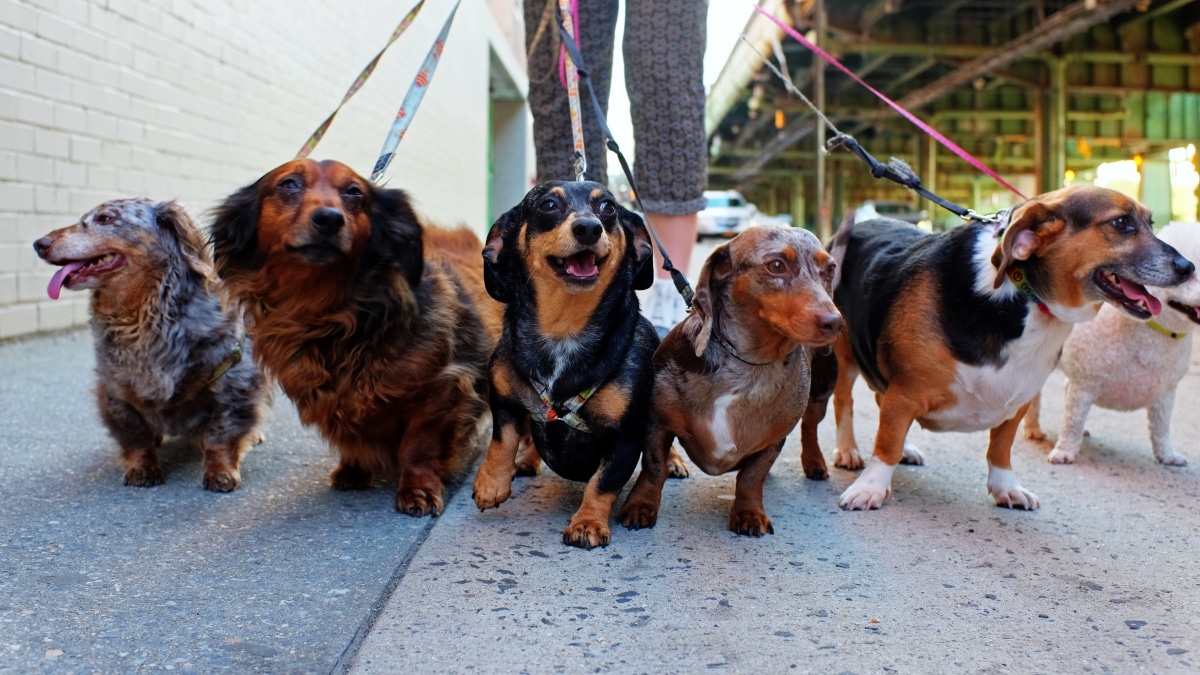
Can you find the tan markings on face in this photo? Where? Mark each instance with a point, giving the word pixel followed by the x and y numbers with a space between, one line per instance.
pixel 563 309
pixel 787 309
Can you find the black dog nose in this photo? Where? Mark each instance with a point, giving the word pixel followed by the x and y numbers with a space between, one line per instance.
pixel 327 220
pixel 830 324
pixel 42 246
pixel 1183 267
pixel 587 231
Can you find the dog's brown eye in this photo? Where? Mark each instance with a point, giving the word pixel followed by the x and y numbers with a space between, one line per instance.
pixel 289 184
pixel 103 218
pixel 606 208
pixel 353 190
pixel 776 266
pixel 1123 224
pixel 548 206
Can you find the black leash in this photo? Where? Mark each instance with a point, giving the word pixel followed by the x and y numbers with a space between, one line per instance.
pixel 680 281
pixel 896 170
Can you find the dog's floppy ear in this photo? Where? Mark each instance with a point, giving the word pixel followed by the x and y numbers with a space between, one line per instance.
pixel 1030 224
pixel 715 271
pixel 396 240
pixel 172 218
pixel 643 248
pixel 497 268
pixel 234 233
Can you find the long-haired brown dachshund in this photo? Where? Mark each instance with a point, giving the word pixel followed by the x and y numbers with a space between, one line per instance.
pixel 378 327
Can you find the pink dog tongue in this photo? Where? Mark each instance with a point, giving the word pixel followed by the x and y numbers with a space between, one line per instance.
pixel 1136 292
pixel 60 277
pixel 581 265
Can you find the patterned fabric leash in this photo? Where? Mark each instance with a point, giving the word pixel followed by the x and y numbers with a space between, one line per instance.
pixel 235 356
pixel 412 100
pixel 677 277
pixel 566 412
pixel 317 135
pixel 567 12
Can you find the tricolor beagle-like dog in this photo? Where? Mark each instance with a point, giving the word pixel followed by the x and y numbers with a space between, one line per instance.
pixel 958 331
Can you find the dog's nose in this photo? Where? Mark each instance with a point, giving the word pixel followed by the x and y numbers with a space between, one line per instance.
pixel 42 246
pixel 1183 266
pixel 830 324
pixel 587 231
pixel 327 220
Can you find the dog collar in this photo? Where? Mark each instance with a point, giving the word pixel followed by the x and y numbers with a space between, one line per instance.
pixel 1161 329
pixel 566 412
pixel 235 356
pixel 1022 283
pixel 734 353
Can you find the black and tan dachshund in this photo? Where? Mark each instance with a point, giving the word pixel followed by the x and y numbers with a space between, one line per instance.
pixel 573 366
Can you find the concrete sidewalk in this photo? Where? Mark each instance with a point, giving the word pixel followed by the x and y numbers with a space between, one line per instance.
pixel 287 575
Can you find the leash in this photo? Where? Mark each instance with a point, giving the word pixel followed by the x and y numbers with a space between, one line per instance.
pixel 677 277
pixel 235 357
pixel 568 71
pixel 946 142
pixel 896 170
pixel 733 352
pixel 412 100
pixel 317 135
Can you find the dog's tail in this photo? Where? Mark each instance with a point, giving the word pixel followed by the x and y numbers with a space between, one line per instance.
pixel 839 244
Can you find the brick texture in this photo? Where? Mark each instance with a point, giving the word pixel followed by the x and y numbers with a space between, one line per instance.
pixel 191 99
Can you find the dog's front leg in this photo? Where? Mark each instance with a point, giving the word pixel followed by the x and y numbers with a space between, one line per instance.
pixel 1002 483
pixel 748 515
pixel 137 439
pixel 493 482
pixel 589 526
pixel 874 485
pixel 1033 419
pixel 1077 401
pixel 811 458
pixel 641 506
pixel 1159 416
pixel 846 456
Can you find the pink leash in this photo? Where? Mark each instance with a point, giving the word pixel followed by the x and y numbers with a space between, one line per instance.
pixel 953 147
pixel 562 51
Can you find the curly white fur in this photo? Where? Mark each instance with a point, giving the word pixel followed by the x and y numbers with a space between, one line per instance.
pixel 1119 363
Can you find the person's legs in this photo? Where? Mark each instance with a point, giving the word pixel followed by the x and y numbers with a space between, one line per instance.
pixel 664 75
pixel 548 103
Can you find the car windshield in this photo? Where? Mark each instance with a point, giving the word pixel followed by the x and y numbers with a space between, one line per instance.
pixel 725 201
pixel 892 209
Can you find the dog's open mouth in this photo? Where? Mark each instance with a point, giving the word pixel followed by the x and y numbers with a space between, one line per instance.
pixel 1189 311
pixel 318 252
pixel 582 267
pixel 76 271
pixel 1128 295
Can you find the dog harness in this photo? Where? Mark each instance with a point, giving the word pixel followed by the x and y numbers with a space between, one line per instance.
pixel 235 356
pixel 1161 329
pixel 1022 283
pixel 566 412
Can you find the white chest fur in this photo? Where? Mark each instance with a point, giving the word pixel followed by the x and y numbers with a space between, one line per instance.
pixel 722 434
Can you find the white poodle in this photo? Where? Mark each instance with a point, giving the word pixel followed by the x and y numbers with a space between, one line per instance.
pixel 1118 363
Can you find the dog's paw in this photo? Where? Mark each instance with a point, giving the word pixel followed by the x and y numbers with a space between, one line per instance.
pixel 1060 456
pixel 256 437
pixel 848 458
pixel 1035 434
pixel 144 476
pixel 676 464
pixel 418 502
pixel 754 523
pixel 638 515
pixel 814 469
pixel 1007 491
pixel 912 455
pixel 225 480
pixel 351 477
pixel 1171 458
pixel 528 467
pixel 872 488
pixel 586 533
pixel 490 493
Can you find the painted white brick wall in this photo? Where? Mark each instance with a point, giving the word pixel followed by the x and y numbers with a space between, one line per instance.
pixel 191 99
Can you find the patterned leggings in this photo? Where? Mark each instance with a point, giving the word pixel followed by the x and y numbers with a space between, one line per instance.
pixel 664 74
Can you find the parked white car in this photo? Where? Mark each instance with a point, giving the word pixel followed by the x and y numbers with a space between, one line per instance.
pixel 726 214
